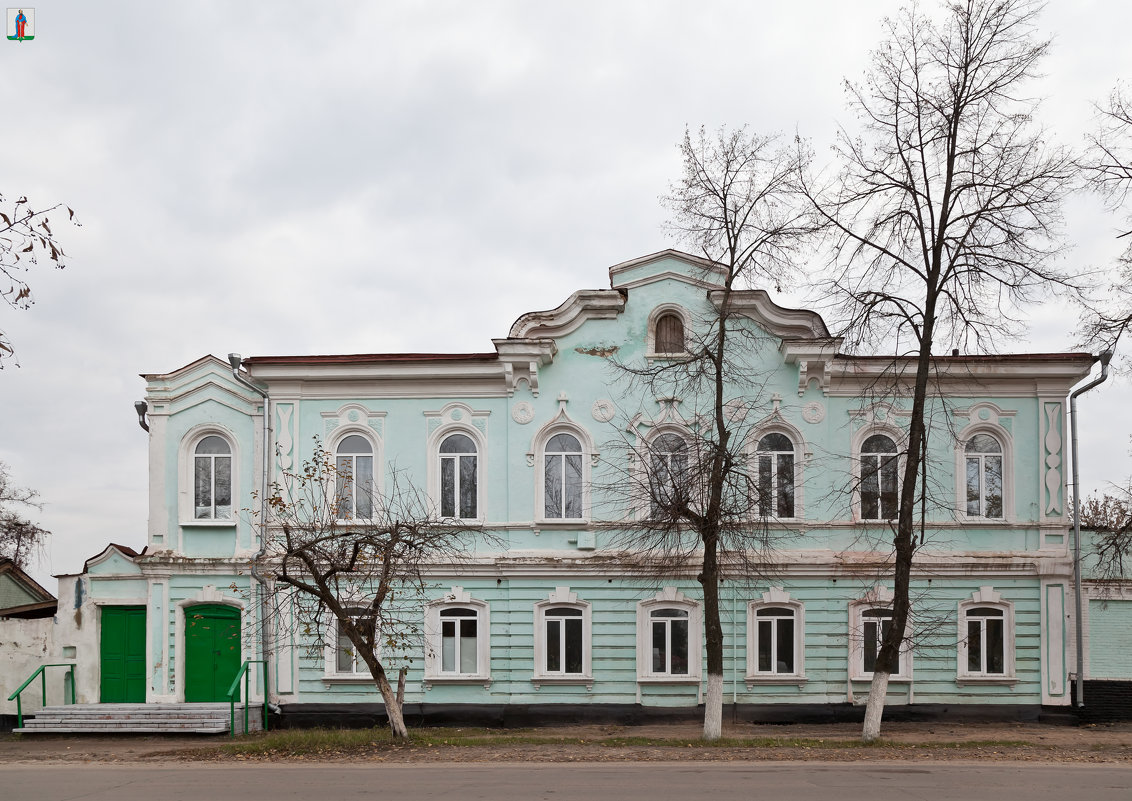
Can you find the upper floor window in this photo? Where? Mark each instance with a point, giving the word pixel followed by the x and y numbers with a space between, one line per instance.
pixel 776 476
pixel 459 477
pixel 353 465
pixel 212 479
pixel 562 477
pixel 983 461
pixel 879 478
pixel 668 475
pixel 669 333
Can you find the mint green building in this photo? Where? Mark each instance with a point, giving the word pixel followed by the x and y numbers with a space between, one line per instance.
pixel 528 439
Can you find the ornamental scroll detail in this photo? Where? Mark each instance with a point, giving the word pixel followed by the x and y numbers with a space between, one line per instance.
pixel 1052 443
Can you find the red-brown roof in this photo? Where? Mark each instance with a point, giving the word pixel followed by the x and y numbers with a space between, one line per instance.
pixel 362 358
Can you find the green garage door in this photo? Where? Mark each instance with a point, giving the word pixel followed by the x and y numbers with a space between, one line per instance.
pixel 1110 640
pixel 122 654
pixel 212 651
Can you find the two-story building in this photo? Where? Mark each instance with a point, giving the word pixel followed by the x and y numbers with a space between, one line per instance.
pixel 524 440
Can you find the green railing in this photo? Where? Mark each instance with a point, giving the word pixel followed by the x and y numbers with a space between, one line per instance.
pixel 41 671
pixel 234 690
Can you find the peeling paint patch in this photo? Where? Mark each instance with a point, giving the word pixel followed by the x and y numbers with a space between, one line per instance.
pixel 604 351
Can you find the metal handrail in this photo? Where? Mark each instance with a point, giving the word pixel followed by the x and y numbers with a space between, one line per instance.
pixel 235 688
pixel 40 671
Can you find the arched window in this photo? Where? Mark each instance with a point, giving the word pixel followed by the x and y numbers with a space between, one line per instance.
pixel 669 638
pixel 459 640
pixel 565 643
pixel 562 477
pixel 353 465
pixel 668 475
pixel 983 459
pixel 879 478
pixel 986 638
pixel 459 477
pixel 870 624
pixel 669 333
pixel 776 476
pixel 212 479
pixel 668 643
pixel 774 639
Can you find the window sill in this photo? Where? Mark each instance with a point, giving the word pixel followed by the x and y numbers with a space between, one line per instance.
pixel 562 523
pixel 346 678
pixel 891 679
pixel 768 679
pixel 208 524
pixel 456 680
pixel 563 681
pixel 668 679
pixel 999 681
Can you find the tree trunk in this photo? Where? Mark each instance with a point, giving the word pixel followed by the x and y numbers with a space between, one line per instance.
pixel 878 691
pixel 401 688
pixel 713 640
pixel 392 708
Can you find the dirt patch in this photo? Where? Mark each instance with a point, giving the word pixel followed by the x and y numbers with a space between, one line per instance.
pixel 832 743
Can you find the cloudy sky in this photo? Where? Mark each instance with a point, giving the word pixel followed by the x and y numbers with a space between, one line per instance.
pixel 282 178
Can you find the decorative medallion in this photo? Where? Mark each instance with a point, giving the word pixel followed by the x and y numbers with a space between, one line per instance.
pixel 603 410
pixel 353 415
pixel 456 415
pixel 813 412
pixel 522 413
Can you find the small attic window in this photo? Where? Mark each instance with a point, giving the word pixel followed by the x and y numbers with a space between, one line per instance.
pixel 669 333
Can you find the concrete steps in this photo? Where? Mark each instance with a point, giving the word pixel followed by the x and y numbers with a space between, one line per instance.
pixel 139 719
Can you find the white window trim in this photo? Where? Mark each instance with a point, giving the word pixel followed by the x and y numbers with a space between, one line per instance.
pixel 371 437
pixel 444 431
pixel 457 598
pixel 654 316
pixel 331 675
pixel 1006 442
pixel 986 596
pixel 776 596
pixel 900 439
pixel 780 426
pixel 669 597
pixel 536 458
pixel 877 598
pixel 561 596
pixel 186 484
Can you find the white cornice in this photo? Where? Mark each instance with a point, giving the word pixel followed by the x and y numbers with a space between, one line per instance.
pixel 778 320
pixel 586 304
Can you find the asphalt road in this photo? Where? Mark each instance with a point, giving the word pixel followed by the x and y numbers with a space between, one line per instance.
pixel 653 781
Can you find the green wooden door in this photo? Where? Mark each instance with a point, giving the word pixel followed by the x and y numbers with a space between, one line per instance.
pixel 122 654
pixel 212 651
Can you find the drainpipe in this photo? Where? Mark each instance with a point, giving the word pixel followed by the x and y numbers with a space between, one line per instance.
pixel 261 591
pixel 1077 591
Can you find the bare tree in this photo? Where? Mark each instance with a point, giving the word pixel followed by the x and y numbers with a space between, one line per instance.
pixel 700 506
pixel 1108 167
pixel 1109 517
pixel 356 562
pixel 20 538
pixel 946 212
pixel 26 236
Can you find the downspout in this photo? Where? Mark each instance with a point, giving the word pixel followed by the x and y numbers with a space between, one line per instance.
pixel 1077 590
pixel 261 590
